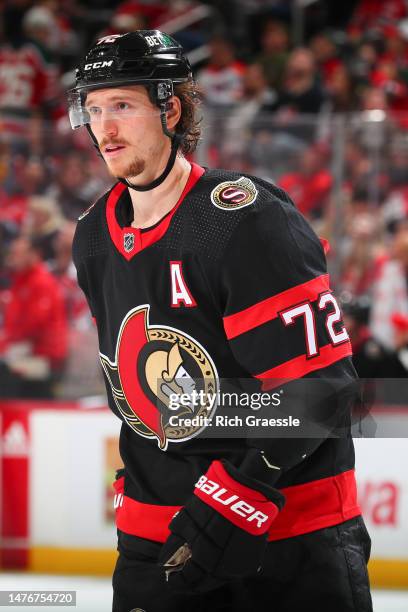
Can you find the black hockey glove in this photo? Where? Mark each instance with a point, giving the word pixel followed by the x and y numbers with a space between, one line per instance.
pixel 221 532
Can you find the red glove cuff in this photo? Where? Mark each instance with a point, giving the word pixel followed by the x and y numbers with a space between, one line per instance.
pixel 244 507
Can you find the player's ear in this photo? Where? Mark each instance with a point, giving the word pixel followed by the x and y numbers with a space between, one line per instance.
pixel 173 112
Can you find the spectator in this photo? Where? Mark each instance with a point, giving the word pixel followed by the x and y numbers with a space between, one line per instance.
pixel 390 294
pixel 221 79
pixel 363 61
pixel 257 98
pixel 302 97
pixel 370 358
pixel 27 81
pixel 28 176
pixel 23 178
pixel 221 83
pixel 75 186
pixel 326 55
pixel 359 171
pixel 274 52
pixel 33 341
pixel 370 14
pixel 12 209
pixel 42 224
pixel 127 17
pixel 396 46
pixel 81 376
pixel 363 253
pixel 374 98
pixel 301 91
pixel 148 13
pixel 399 366
pixel 190 36
pixel 389 74
pixel 395 209
pixel 374 129
pixel 41 28
pixel 310 186
pixel 283 134
pixel 64 271
pixel 340 88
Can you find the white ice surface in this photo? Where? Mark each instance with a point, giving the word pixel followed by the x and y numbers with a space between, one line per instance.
pixel 95 594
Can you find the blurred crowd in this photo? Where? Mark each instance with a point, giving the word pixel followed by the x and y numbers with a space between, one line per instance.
pixel 312 96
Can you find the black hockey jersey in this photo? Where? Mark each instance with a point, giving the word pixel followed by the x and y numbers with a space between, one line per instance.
pixel 231 283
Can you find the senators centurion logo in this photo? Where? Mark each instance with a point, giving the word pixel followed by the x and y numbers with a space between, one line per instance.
pixel 153 364
pixel 231 195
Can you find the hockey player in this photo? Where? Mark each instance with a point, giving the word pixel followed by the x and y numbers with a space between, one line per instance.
pixel 195 276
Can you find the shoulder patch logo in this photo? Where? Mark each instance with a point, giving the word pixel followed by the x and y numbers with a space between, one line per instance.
pixel 231 195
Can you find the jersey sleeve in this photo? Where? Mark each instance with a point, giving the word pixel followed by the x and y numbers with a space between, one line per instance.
pixel 82 282
pixel 79 259
pixel 284 326
pixel 280 316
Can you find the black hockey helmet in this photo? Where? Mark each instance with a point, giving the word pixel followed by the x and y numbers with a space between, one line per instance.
pixel 144 57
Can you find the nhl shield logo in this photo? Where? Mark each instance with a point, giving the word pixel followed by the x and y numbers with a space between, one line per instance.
pixel 231 195
pixel 128 242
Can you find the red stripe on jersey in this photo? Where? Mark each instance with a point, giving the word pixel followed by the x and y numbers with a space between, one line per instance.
pixel 310 506
pixel 268 309
pixel 302 365
pixel 315 505
pixel 148 521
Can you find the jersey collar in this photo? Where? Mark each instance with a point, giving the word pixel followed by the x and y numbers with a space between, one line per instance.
pixel 131 240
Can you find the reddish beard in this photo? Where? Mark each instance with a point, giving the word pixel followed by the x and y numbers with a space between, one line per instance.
pixel 134 168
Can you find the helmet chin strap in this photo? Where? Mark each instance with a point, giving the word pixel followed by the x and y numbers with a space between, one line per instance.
pixel 175 143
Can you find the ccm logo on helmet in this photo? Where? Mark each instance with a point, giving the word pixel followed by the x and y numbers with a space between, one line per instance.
pixel 237 505
pixel 103 64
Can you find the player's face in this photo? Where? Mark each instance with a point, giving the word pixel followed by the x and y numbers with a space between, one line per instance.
pixel 20 256
pixel 128 129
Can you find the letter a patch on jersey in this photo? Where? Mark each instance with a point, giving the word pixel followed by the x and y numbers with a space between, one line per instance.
pixel 180 293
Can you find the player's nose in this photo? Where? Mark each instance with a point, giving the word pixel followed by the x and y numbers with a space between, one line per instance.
pixel 109 125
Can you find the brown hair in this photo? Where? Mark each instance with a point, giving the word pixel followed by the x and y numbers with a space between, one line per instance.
pixel 190 97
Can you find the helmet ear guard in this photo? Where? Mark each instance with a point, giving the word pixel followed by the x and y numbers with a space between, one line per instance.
pixel 165 91
pixel 160 94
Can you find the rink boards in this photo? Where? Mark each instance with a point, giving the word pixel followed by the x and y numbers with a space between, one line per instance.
pixel 57 466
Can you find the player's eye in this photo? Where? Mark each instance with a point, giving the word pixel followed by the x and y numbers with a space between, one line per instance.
pixel 122 106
